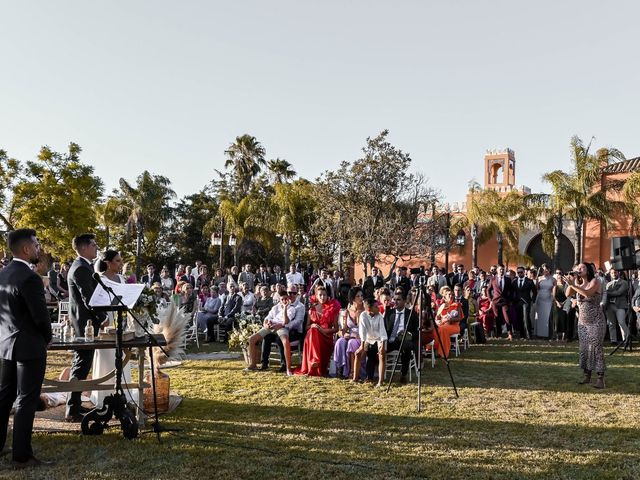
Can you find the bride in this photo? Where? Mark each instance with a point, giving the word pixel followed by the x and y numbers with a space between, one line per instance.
pixel 104 358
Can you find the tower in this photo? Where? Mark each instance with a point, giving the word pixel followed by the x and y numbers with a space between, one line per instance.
pixel 500 170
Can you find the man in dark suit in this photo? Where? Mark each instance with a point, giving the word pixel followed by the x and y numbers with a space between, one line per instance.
pixel 81 287
pixel 501 293
pixel 459 276
pixel 231 306
pixel 401 281
pixel 263 277
pixel 277 277
pixel 526 293
pixel 25 331
pixel 374 281
pixel 396 321
pixel 151 276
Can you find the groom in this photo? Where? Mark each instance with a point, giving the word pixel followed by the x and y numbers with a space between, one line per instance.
pixel 81 287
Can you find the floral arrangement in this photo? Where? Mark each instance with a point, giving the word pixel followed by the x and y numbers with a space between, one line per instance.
pixel 247 326
pixel 146 305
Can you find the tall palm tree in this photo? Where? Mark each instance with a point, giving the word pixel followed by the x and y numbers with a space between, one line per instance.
pixel 280 170
pixel 498 215
pixel 631 194
pixel 245 157
pixel 145 207
pixel 585 195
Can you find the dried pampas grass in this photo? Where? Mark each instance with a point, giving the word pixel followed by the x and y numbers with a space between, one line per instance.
pixel 172 324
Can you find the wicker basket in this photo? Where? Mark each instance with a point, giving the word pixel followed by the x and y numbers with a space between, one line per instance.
pixel 162 387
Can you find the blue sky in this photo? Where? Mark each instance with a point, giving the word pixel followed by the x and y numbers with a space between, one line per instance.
pixel 166 86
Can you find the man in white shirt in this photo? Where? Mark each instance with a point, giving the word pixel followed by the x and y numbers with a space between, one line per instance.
pixel 294 277
pixel 373 335
pixel 276 322
pixel 295 328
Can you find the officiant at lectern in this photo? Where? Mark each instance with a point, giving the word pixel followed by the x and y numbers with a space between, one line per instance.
pixel 81 287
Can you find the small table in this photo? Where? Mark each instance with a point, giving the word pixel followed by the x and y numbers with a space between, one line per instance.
pixel 75 385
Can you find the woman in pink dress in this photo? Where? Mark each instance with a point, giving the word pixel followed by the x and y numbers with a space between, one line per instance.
pixel 318 343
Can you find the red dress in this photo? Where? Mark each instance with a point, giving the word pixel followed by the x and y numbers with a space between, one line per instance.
pixel 317 346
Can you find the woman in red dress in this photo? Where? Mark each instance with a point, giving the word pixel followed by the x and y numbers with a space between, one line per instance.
pixel 318 343
pixel 485 311
pixel 448 321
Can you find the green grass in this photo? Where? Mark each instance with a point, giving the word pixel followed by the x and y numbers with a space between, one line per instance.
pixel 520 415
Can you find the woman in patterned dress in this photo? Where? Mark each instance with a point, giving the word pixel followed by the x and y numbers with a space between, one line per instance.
pixel 591 321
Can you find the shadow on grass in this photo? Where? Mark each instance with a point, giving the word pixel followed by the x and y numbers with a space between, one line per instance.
pixel 390 446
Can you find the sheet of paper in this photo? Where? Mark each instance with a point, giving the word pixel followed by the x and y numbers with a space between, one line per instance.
pixel 128 291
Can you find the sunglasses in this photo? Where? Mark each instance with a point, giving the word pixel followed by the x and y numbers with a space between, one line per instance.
pixel 292 293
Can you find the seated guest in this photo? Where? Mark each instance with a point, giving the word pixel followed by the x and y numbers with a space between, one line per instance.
pixel 322 324
pixel 346 346
pixel 295 328
pixel 398 320
pixel 276 322
pixel 151 276
pixel 219 277
pixel 187 297
pixel 168 284
pixel 208 317
pixel 374 337
pixel 231 305
pixel 478 330
pixel 248 298
pixel 458 297
pixel 203 294
pixel 128 273
pixel 264 304
pixel 448 321
pixel 161 296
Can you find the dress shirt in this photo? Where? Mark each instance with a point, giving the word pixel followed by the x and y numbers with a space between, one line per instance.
pixel 298 322
pixel 276 314
pixel 398 325
pixel 371 329
pixel 295 278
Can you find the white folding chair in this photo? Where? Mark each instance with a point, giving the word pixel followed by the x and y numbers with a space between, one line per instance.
pixel 455 343
pixel 391 359
pixel 429 349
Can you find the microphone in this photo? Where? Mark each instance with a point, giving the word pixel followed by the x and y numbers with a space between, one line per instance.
pixel 98 278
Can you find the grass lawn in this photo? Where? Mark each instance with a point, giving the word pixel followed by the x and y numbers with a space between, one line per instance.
pixel 520 415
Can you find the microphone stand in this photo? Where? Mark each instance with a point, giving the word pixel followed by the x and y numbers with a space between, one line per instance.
pixel 157 427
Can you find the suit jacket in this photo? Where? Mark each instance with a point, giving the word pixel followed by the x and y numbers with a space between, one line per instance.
pixel 369 285
pixel 459 279
pixel 263 277
pixel 527 293
pixel 390 320
pixel 465 307
pixel 404 283
pixel 278 278
pixel 156 279
pixel 501 296
pixel 617 292
pixel 25 326
pixel 81 287
pixel 231 306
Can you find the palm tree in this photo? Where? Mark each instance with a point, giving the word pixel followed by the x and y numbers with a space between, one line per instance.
pixel 246 158
pixel 631 193
pixel 145 207
pixel 495 214
pixel 280 170
pixel 245 220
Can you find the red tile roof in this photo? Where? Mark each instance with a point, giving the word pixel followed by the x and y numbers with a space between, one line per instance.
pixel 632 165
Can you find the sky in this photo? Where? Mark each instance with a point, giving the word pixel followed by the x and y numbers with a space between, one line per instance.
pixel 166 86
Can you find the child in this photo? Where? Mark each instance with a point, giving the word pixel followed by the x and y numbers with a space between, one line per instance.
pixel 373 336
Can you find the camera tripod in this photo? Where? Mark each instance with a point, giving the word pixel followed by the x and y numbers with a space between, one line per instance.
pixel 424 301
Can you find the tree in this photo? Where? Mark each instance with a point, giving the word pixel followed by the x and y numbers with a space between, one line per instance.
pixel 144 208
pixel 378 202
pixel 631 194
pixel 280 171
pixel 295 214
pixel 9 172
pixel 57 195
pixel 498 215
pixel 245 157
pixel 189 234
pixel 581 195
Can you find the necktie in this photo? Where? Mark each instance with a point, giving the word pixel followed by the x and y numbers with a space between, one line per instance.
pixel 396 325
pixel 521 282
pixel 501 283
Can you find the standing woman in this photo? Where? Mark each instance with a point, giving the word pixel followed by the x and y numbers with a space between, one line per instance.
pixel 559 312
pixel 318 343
pixel 592 324
pixel 128 273
pixel 544 302
pixel 109 266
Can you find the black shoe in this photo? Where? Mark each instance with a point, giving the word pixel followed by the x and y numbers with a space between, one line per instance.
pixel 5 451
pixel 403 379
pixel 264 367
pixel 84 410
pixel 31 462
pixel 73 418
pixel 282 369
